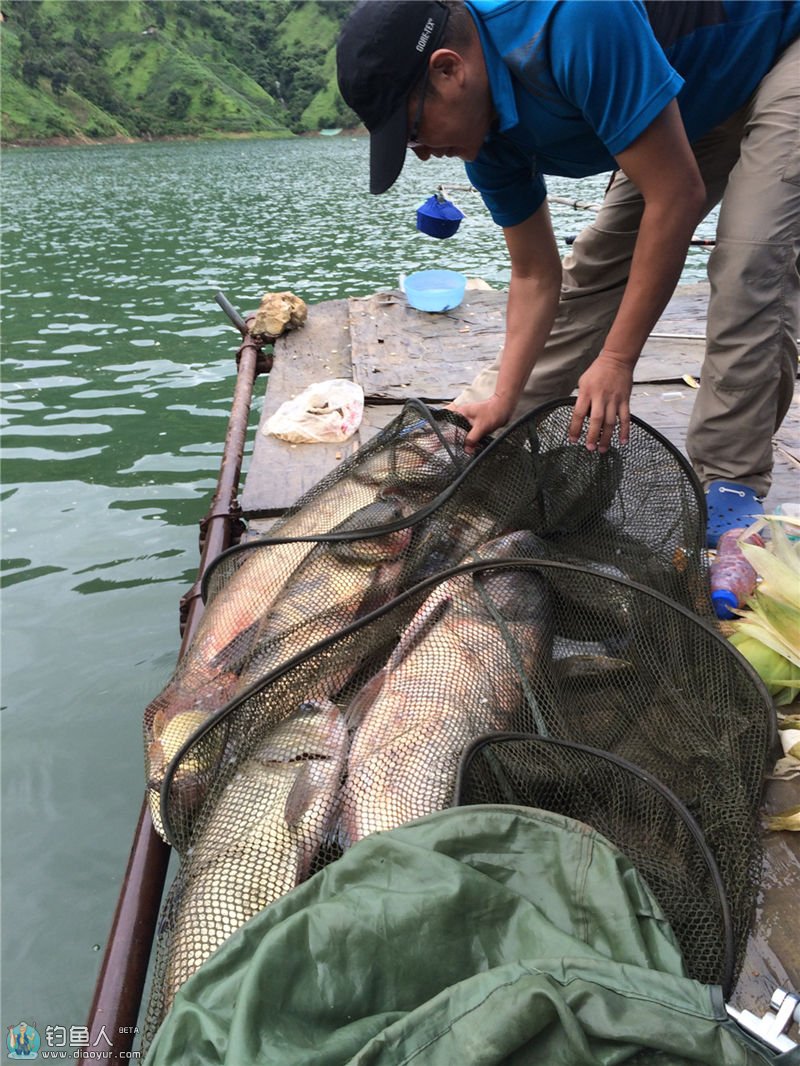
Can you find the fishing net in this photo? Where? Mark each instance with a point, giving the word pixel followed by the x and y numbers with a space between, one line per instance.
pixel 635 512
pixel 416 600
pixel 630 808
pixel 355 540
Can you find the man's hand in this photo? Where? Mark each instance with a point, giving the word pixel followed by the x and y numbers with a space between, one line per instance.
pixel 661 165
pixel 484 418
pixel 604 393
pixel 532 304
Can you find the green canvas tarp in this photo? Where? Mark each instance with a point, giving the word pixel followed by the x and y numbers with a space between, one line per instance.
pixel 478 936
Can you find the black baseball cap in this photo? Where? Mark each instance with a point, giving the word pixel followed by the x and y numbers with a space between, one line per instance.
pixel 383 51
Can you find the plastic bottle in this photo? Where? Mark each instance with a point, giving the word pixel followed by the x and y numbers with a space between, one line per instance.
pixel 791 510
pixel 733 579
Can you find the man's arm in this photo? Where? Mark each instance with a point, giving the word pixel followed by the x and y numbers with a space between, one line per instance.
pixel 661 164
pixel 532 303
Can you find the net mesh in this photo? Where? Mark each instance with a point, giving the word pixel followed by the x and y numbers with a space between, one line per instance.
pixel 337 679
pixel 630 808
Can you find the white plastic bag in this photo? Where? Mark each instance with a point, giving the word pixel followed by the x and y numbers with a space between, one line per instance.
pixel 326 411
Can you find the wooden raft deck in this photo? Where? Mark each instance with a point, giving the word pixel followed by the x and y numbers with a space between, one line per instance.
pixel 396 353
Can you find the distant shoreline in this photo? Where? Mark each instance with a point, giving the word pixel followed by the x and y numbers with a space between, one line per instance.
pixel 211 135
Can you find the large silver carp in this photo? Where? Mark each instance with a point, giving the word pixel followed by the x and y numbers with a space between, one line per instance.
pixel 333 585
pixel 458 671
pixel 260 839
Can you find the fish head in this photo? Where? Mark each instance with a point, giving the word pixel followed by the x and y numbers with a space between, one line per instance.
pixel 431 453
pixel 366 571
pixel 419 462
pixel 175 731
pixel 519 544
pixel 198 692
pixel 446 537
pixel 519 594
pixel 373 549
pixel 315 729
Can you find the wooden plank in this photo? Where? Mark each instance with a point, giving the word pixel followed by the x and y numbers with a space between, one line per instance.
pixel 666 360
pixel 668 406
pixel 378 417
pixel 772 959
pixel 687 307
pixel 280 472
pixel 399 352
pixel 375 419
pixel 396 352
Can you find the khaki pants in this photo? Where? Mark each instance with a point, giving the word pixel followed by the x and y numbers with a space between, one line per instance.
pixel 751 163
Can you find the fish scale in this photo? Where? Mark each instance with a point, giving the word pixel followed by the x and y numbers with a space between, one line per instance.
pixel 261 837
pixel 454 675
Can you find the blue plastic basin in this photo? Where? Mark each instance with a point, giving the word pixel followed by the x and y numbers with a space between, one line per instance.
pixel 435 290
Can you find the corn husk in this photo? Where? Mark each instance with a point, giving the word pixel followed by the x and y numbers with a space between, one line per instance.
pixel 767 632
pixel 788 819
pixel 790 742
pixel 779 674
pixel 789 733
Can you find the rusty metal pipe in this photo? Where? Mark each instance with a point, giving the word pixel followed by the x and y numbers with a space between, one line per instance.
pixel 120 983
pixel 231 312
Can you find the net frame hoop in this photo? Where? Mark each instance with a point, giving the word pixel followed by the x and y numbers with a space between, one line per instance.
pixel 538 414
pixel 428 414
pixel 487 739
pixel 423 587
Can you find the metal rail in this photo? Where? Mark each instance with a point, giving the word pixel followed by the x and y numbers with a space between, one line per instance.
pixel 123 971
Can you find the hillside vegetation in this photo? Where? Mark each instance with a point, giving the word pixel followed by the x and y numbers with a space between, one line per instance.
pixel 97 69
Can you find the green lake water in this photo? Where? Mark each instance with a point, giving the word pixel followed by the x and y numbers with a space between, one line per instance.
pixel 117 377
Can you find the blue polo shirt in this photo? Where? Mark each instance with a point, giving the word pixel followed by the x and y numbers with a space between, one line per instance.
pixel 576 81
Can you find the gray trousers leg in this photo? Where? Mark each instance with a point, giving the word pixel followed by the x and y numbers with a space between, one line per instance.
pixel 748 375
pixel 751 163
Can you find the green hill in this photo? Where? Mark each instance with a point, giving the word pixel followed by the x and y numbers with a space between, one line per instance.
pixel 97 69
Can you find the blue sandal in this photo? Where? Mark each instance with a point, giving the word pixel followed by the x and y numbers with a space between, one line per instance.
pixel 730 505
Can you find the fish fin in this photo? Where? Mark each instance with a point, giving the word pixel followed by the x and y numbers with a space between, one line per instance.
pixel 238 648
pixel 430 614
pixel 342 837
pixel 157 721
pixel 341 828
pixel 155 759
pixel 302 796
pixel 364 699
